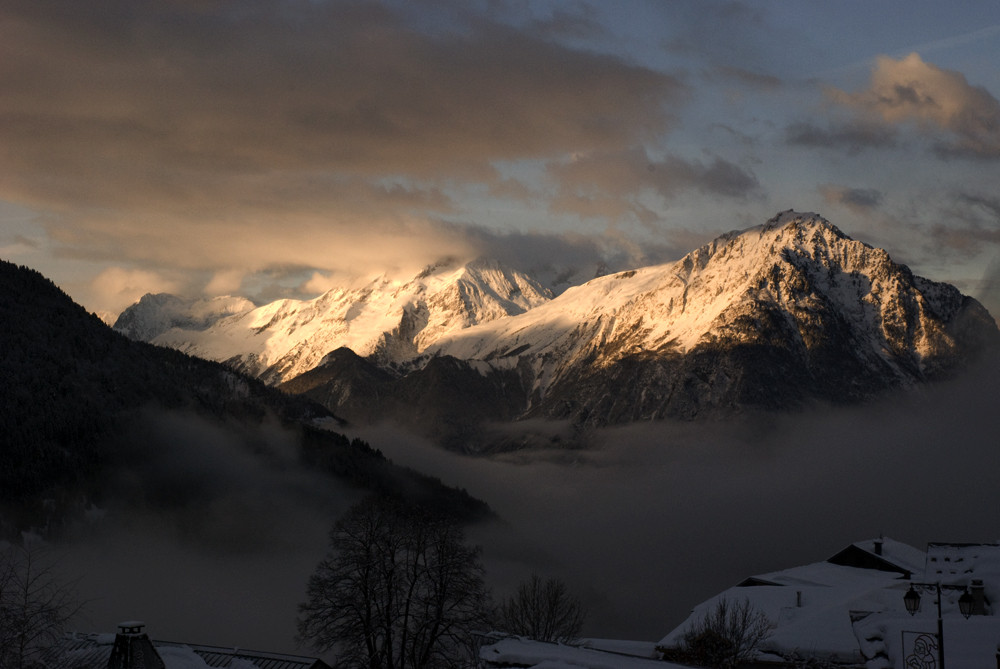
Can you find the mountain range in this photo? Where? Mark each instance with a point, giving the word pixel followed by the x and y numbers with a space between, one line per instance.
pixel 385 320
pixel 768 318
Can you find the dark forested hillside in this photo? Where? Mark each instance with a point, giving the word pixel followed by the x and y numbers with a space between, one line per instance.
pixel 70 387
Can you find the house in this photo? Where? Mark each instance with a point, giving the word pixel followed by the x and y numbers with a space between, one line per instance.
pixel 849 610
pixel 131 648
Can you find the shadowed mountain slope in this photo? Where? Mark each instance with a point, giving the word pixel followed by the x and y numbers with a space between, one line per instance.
pixel 79 402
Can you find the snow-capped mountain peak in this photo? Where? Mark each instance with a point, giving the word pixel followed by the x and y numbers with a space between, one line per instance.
pixel 793 298
pixel 387 319
pixel 157 313
pixel 767 317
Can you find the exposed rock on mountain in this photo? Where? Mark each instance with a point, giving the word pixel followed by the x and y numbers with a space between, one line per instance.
pixel 770 317
pixel 773 317
pixel 446 399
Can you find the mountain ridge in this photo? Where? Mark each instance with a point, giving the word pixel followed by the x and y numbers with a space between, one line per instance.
pixel 768 318
pixel 772 317
pixel 388 320
pixel 679 305
pixel 796 283
pixel 157 313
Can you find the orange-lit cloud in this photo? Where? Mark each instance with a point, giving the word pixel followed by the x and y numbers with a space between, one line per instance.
pixel 911 90
pixel 118 287
pixel 235 136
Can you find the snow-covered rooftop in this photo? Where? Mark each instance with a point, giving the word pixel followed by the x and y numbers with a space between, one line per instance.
pixel 891 551
pixel 850 608
pixel 93 650
pixel 520 652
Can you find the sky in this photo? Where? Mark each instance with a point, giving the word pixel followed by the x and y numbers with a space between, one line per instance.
pixel 277 148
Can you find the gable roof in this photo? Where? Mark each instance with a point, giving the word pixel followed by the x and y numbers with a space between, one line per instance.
pixel 882 554
pixel 92 651
pixel 220 656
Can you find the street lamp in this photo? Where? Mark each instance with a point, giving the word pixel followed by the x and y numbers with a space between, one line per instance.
pixel 912 602
pixel 965 603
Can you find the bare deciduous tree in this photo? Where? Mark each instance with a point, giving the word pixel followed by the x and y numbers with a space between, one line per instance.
pixel 543 610
pixel 727 636
pixel 35 604
pixel 399 589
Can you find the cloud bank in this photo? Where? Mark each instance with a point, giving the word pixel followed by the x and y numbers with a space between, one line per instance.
pixel 240 136
pixel 656 518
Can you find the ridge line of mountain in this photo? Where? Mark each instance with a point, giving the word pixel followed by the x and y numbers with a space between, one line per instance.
pixel 767 318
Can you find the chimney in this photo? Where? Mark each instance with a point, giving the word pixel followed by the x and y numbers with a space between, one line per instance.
pixel 978 591
pixel 133 649
pixel 878 546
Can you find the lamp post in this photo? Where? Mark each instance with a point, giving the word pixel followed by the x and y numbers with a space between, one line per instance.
pixel 912 602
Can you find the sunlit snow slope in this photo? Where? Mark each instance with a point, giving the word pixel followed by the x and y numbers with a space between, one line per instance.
pixel 792 306
pixel 389 320
pixel 771 317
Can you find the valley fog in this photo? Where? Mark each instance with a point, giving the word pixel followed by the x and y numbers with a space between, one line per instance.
pixel 644 524
pixel 211 541
pixel 655 518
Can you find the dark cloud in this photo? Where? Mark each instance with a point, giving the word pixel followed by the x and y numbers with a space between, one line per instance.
pixel 758 80
pixel 155 131
pixel 562 260
pixel 609 183
pixel 943 234
pixel 307 84
pixel 736 135
pixel 856 199
pixel 26 241
pixel 968 224
pixel 333 86
pixel 988 205
pixel 852 137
